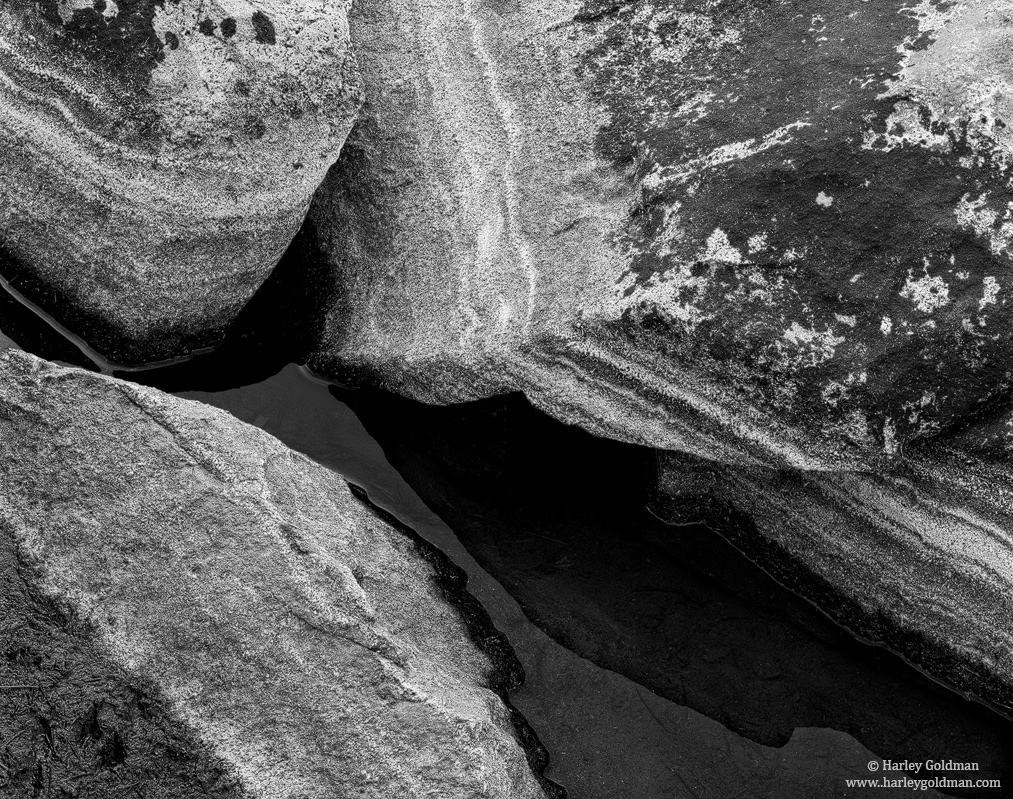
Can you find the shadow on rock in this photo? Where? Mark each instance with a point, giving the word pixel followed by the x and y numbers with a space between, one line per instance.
pixel 280 325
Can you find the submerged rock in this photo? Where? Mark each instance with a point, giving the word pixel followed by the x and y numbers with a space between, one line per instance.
pixel 736 230
pixel 159 156
pixel 308 642
pixel 919 559
pixel 561 519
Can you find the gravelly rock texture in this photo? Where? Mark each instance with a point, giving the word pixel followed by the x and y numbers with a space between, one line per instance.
pixel 749 231
pixel 74 722
pixel 310 645
pixel 159 156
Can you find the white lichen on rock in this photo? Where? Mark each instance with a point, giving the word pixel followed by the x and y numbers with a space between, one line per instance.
pixel 927 292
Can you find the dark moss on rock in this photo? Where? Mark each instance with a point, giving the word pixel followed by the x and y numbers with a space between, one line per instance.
pixel 75 724
pixel 125 44
pixel 263 28
pixel 888 213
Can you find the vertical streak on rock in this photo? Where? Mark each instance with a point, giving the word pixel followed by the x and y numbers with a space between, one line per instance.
pixel 514 228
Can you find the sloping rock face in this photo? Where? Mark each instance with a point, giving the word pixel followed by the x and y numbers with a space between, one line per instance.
pixel 74 722
pixel 159 156
pixel 919 559
pixel 748 231
pixel 311 645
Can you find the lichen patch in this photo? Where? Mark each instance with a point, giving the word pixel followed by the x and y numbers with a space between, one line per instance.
pixel 719 248
pixel 989 294
pixel 988 223
pixel 927 293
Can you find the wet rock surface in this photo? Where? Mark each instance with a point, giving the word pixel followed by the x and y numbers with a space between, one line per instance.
pixel 160 156
pixel 917 559
pixel 307 641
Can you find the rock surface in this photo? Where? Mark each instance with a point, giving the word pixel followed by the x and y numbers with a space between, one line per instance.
pixel 919 559
pixel 736 230
pixel 611 737
pixel 310 644
pixel 159 156
pixel 75 723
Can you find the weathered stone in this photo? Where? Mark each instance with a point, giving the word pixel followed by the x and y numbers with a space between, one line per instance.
pixel 749 231
pixel 919 559
pixel 159 156
pixel 74 722
pixel 312 645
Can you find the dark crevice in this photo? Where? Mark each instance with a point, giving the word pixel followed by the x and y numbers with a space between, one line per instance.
pixel 280 325
pixel 561 519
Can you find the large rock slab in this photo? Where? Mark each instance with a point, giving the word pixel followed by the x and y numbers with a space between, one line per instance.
pixel 310 643
pixel 159 156
pixel 758 234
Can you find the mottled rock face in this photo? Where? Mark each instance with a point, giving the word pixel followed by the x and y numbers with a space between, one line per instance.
pixel 752 231
pixel 312 646
pixel 819 220
pixel 160 155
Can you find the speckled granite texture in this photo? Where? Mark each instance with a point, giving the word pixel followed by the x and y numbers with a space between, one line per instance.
pixel 313 647
pixel 158 156
pixel 774 239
